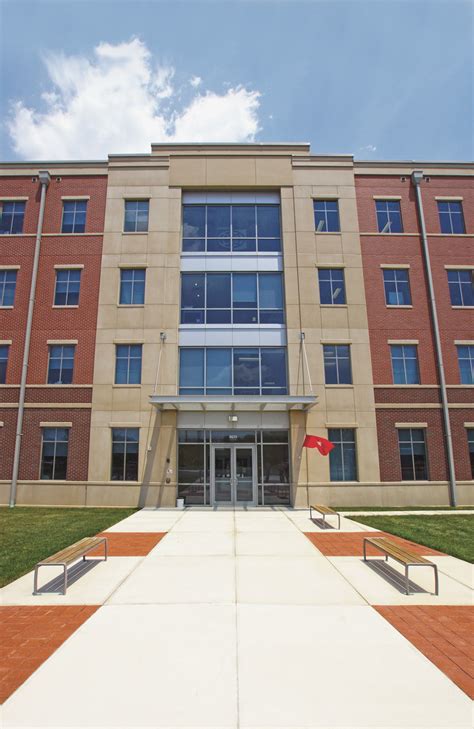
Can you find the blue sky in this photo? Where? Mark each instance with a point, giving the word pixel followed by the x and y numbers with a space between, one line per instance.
pixel 378 79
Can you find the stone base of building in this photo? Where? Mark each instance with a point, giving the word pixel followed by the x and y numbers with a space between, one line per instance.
pixel 77 494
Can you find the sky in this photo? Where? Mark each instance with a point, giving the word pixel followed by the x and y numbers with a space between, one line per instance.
pixel 379 79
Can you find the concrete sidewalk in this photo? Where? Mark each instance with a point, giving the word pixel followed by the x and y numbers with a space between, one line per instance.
pixel 235 619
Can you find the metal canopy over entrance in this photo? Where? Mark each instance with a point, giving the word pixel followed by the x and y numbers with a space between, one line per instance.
pixel 234 403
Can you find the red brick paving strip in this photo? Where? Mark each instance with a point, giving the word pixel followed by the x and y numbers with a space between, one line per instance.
pixel 444 634
pixel 350 544
pixel 129 544
pixel 29 635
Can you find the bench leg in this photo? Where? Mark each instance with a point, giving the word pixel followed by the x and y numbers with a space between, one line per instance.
pixel 310 513
pixel 65 579
pixel 407 583
pixel 106 549
pixel 436 579
pixel 365 550
pixel 324 518
pixel 339 522
pixel 35 583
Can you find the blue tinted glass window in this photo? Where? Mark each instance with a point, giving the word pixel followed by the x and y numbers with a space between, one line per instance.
pixel 243 221
pixel 244 295
pixel 132 286
pixel 218 221
pixel 74 216
pixel 7 287
pixel 4 349
pixel 193 298
pixel 246 371
pixel 54 453
pixel 451 219
pixel 413 461
pixel 238 371
pixel 331 286
pixel 404 364
pixel 218 298
pixel 270 296
pixel 125 448
pixel 136 216
pixel 219 228
pixel 326 216
pixel 194 221
pixel 68 283
pixel 273 371
pixel 268 221
pixel 466 363
pixel 61 364
pixel 218 371
pixel 342 459
pixel 191 371
pixel 396 287
pixel 389 217
pixel 461 288
pixel 128 364
pixel 12 215
pixel 337 364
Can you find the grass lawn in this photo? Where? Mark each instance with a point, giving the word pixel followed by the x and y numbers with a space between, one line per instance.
pixel 29 534
pixel 451 534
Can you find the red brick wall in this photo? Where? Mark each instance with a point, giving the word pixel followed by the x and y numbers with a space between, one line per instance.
pixel 50 323
pixel 437 465
pixel 78 452
pixel 387 323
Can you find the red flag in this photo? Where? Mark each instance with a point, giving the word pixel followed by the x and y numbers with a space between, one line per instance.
pixel 315 441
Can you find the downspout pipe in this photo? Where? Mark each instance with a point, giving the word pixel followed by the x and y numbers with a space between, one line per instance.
pixel 416 177
pixel 44 178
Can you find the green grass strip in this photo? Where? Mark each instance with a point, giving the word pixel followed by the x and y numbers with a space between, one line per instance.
pixel 29 534
pixel 453 535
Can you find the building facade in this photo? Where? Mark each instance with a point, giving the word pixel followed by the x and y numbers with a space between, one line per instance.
pixel 177 322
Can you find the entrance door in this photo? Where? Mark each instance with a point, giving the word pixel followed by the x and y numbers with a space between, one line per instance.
pixel 234 475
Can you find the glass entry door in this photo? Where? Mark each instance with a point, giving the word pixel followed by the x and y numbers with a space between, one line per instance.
pixel 234 475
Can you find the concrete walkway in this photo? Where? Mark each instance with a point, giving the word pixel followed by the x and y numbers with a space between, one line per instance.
pixel 235 619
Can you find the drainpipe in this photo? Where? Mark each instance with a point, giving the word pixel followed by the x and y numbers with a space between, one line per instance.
pixel 416 177
pixel 44 179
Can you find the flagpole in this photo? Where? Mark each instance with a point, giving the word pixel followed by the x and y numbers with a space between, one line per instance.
pixel 305 357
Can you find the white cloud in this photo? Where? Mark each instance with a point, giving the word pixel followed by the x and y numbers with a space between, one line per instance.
pixel 368 148
pixel 120 101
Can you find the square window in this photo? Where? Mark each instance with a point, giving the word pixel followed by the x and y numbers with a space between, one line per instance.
pixel 461 287
pixel 404 364
pixel 125 448
pixel 7 287
pixel 451 219
pixel 4 350
pixel 337 364
pixel 326 216
pixel 128 364
pixel 396 287
pixel 61 364
pixel 12 215
pixel 54 452
pixel 136 216
pixel 343 457
pixel 413 459
pixel 389 216
pixel 68 283
pixel 74 216
pixel 132 286
pixel 466 363
pixel 331 286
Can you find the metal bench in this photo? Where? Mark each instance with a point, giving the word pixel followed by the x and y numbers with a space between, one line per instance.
pixel 325 511
pixel 69 555
pixel 401 555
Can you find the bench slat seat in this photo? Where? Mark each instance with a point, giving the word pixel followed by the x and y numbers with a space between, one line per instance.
pixel 69 555
pixel 401 555
pixel 324 511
